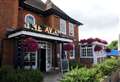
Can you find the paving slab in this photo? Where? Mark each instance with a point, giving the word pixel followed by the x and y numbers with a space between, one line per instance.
pixel 52 77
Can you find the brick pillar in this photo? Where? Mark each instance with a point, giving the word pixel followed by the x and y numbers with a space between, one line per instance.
pixel 8 19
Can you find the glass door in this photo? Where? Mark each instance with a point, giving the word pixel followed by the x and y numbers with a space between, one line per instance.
pixel 48 57
pixel 45 59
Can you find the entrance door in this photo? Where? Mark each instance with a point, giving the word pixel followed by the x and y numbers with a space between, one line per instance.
pixel 49 57
pixel 45 56
pixel 43 60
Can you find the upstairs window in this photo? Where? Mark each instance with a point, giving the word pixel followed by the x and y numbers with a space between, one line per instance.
pixel 30 19
pixel 71 29
pixel 62 26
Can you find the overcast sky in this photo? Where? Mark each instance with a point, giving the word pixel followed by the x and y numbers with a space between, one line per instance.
pixel 101 18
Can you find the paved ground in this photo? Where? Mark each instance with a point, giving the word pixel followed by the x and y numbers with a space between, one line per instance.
pixel 52 77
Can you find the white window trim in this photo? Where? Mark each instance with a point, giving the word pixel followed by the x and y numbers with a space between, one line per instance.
pixel 40 36
pixel 63 21
pixel 81 56
pixel 33 66
pixel 31 16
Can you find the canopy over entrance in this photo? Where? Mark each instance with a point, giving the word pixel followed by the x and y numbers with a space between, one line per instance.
pixel 38 35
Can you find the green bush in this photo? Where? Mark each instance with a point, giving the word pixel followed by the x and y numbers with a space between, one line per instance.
pixel 80 75
pixel 93 74
pixel 74 64
pixel 8 74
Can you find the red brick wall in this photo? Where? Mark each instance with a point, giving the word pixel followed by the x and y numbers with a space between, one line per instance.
pixel 52 21
pixel 8 19
pixel 13 16
pixel 8 52
pixel 67 27
pixel 8 15
pixel 21 19
pixel 76 32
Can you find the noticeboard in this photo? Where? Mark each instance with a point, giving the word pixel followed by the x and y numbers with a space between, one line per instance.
pixel 65 65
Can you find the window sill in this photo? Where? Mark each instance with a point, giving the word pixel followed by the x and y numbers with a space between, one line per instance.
pixel 86 56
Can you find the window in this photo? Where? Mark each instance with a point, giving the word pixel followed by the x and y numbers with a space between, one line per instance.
pixel 62 26
pixel 89 51
pixel 72 54
pixel 86 51
pixel 30 59
pixel 71 29
pixel 30 19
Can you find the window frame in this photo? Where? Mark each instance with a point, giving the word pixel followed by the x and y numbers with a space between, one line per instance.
pixel 63 25
pixel 71 29
pixel 27 15
pixel 86 50
pixel 28 61
pixel 73 54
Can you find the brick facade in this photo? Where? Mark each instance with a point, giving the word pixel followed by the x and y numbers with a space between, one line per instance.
pixel 8 19
pixel 12 16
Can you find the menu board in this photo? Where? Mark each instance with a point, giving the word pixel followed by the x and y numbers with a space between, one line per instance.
pixel 65 65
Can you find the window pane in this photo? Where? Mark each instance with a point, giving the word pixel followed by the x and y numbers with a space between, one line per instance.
pixel 29 59
pixel 26 57
pixel 72 54
pixel 89 51
pixel 71 29
pixel 86 51
pixel 32 56
pixel 83 52
pixel 30 19
pixel 62 26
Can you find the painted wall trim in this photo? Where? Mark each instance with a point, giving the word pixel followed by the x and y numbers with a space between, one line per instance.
pixel 39 35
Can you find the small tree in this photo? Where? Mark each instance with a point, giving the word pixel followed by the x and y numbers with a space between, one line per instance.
pixel 113 45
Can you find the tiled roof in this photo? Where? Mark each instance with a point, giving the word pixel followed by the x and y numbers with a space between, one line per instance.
pixel 36 3
pixel 40 7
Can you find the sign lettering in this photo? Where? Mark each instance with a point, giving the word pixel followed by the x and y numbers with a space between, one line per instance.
pixel 46 29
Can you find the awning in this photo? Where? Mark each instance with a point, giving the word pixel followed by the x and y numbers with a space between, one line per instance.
pixel 68 46
pixel 39 35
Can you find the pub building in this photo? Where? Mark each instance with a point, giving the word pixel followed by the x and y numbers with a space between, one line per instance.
pixel 37 35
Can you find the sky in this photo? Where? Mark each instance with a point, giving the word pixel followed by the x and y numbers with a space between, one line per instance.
pixel 101 18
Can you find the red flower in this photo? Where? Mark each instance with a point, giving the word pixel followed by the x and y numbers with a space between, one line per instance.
pixel 90 40
pixel 97 48
pixel 83 41
pixel 30 45
pixel 68 46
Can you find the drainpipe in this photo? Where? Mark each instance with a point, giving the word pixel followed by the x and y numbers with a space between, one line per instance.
pixel 1 52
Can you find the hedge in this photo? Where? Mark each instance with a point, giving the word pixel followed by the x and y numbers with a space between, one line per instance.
pixel 93 74
pixel 8 74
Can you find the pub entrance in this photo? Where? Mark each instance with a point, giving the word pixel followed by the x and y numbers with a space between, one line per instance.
pixel 45 56
pixel 42 63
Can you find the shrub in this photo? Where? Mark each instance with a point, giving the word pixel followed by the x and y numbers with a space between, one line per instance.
pixel 106 67
pixel 74 64
pixel 8 74
pixel 94 74
pixel 80 75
